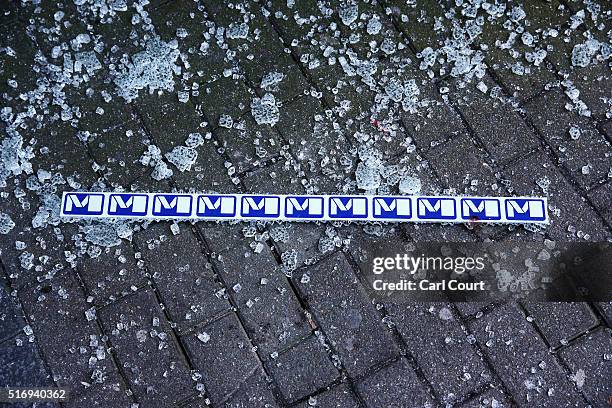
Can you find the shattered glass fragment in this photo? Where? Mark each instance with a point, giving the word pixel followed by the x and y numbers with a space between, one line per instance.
pixel 6 223
pixel 182 157
pixel 264 110
pixel 152 69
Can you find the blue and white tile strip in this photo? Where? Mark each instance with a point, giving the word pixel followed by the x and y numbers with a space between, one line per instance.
pixel 270 207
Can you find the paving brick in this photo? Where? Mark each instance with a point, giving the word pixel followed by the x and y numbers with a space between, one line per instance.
pixel 253 392
pixel 277 178
pixel 169 16
pixel 114 273
pixel 434 124
pixel 600 197
pixel 114 112
pixel 66 154
pixel 591 83
pixel 439 232
pixel 441 348
pixel 303 369
pixel 263 52
pixel 394 386
pixel 223 354
pixel 606 308
pixel 248 144
pixel 340 396
pixel 329 79
pixel 365 246
pixel 50 32
pixel 187 290
pixel 119 33
pixel 340 304
pixel 497 124
pixel 522 361
pixel 119 151
pixel 299 238
pixel 148 184
pixel 567 209
pixel 340 90
pixel 208 173
pixel 417 22
pixel 232 97
pixel 606 129
pixel 470 308
pixel 222 236
pixel 167 121
pixel 113 395
pixel 22 366
pixel 493 397
pixel 369 44
pixel 17 68
pixel 559 322
pixel 589 361
pixel 146 349
pixel 11 316
pixel 210 62
pixel 44 255
pixel 503 61
pixel 591 151
pixel 463 167
pixel 317 148
pixel 8 13
pixel 69 342
pixel 271 313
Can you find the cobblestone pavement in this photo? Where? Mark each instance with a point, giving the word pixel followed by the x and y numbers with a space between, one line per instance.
pixel 294 96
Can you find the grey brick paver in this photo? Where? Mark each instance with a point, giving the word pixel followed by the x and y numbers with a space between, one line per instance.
pixel 303 369
pixel 341 306
pixel 44 245
pixel 491 398
pixel 416 22
pixel 114 273
pixel 119 151
pixel 589 158
pixel 440 348
pixel 504 61
pixel 22 366
pixel 146 350
pixel 188 289
pixel 497 124
pixel 222 353
pixel 313 143
pixel 264 53
pixel 340 396
pixel 394 386
pixel 248 144
pixel 589 360
pixel 522 360
pixel 536 174
pixel 463 167
pixel 559 322
pixel 253 392
pixel 72 345
pixel 271 313
pixel 434 124
pixel 606 308
pixel 11 316
pixel 303 238
pixel 600 197
pixel 280 176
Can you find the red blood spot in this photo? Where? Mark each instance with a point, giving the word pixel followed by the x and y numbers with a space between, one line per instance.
pixel 473 222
